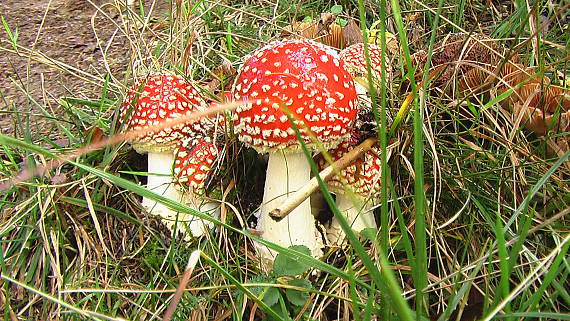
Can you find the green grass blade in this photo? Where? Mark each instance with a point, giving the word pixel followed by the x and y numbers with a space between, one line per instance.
pixel 384 277
pixel 14 142
pixel 380 118
pixel 401 223
pixel 232 280
pixel 503 289
pixel 352 288
pixel 549 277
pixel 83 313
pixel 137 189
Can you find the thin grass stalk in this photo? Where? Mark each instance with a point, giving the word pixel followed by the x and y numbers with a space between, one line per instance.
pixel 463 290
pixel 382 133
pixel 534 190
pixel 352 288
pixel 385 274
pixel 401 223
pixel 535 315
pixel 529 279
pixel 420 273
pixel 381 129
pixel 419 192
pixel 458 14
pixel 553 272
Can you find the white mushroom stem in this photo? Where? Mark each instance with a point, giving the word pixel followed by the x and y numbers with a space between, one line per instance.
pixel 358 214
pixel 160 181
pixel 195 225
pixel 286 173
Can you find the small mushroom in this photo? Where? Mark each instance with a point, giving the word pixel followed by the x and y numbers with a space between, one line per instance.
pixel 330 34
pixel 356 191
pixel 544 108
pixel 192 167
pixel 161 97
pixel 355 62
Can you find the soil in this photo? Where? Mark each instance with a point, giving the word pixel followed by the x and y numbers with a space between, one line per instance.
pixel 73 32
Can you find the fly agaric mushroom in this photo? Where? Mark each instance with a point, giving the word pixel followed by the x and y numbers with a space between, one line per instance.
pixel 309 81
pixel 162 97
pixel 361 178
pixel 191 170
pixel 355 62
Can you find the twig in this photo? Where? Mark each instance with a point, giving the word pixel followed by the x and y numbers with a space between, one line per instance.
pixel 192 261
pixel 302 194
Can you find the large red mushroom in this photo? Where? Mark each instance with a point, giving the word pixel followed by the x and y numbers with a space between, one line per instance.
pixel 308 80
pixel 162 96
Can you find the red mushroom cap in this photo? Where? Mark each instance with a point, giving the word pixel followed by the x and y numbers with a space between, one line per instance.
pixel 193 164
pixel 355 60
pixel 308 79
pixel 164 96
pixel 362 175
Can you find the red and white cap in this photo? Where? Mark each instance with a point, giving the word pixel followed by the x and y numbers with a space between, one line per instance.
pixel 161 97
pixel 362 175
pixel 308 79
pixel 355 60
pixel 194 163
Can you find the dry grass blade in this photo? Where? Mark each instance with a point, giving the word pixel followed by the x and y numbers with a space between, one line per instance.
pixel 126 136
pixel 530 278
pixel 192 261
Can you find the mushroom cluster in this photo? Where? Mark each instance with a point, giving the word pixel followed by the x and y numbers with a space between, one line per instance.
pixel 295 92
pixel 299 94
